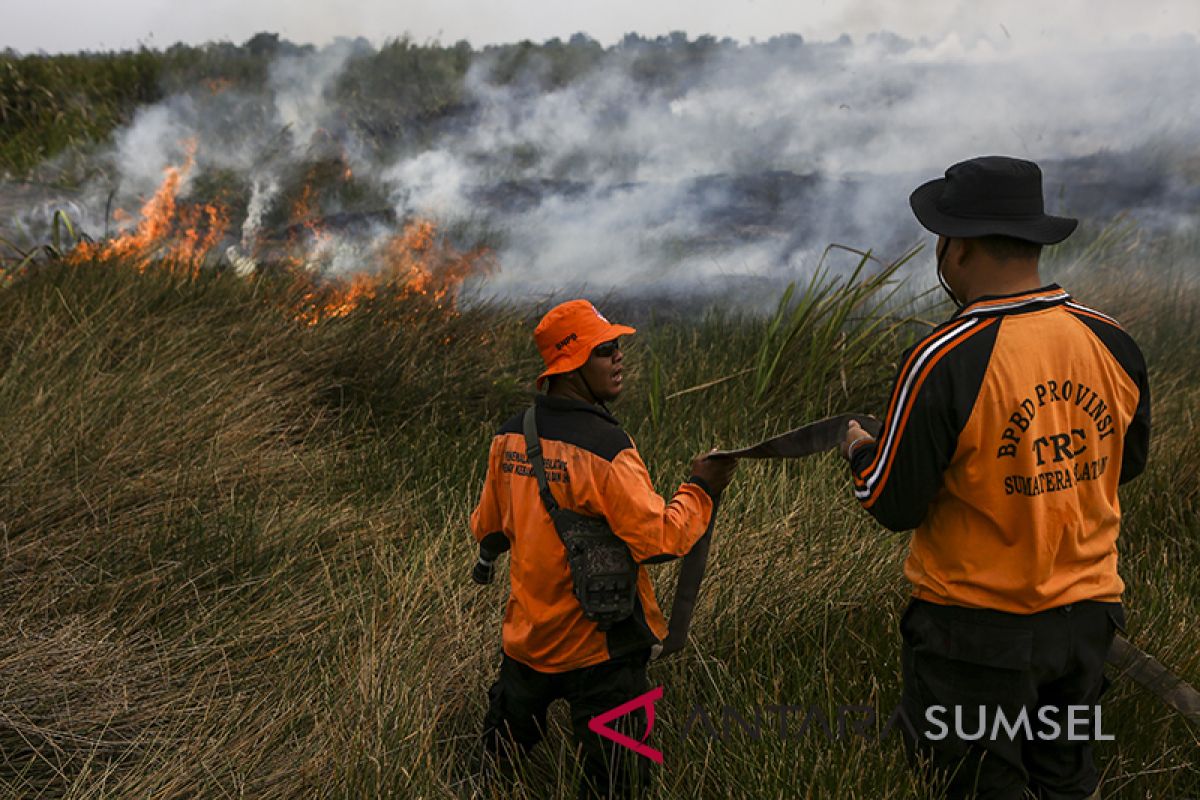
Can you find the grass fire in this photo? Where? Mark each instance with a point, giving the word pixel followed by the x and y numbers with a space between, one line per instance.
pixel 182 238
pixel 264 307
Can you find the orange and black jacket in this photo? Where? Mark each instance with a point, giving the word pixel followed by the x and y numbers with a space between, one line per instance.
pixel 593 468
pixel 1008 431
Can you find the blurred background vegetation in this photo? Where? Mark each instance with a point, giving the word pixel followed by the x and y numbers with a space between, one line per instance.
pixel 59 105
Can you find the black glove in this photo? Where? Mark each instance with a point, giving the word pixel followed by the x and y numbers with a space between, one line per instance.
pixel 483 571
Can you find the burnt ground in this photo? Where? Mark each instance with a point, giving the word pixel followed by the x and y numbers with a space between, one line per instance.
pixel 789 210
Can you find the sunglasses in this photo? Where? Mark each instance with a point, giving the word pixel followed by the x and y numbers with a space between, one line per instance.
pixel 606 349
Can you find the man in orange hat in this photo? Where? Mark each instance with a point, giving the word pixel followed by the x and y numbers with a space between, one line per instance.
pixel 551 649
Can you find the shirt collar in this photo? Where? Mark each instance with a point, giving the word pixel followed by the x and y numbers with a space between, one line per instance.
pixel 1035 300
pixel 568 404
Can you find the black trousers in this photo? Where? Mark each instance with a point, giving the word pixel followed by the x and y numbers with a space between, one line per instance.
pixel 978 665
pixel 516 718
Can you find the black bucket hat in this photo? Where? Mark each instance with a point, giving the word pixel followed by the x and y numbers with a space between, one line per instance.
pixel 989 196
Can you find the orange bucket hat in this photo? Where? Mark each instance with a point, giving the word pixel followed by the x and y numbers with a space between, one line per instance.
pixel 566 335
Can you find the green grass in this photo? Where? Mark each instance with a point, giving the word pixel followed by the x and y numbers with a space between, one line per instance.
pixel 236 554
pixel 56 111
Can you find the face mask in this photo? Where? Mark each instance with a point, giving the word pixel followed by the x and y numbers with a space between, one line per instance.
pixel 941 254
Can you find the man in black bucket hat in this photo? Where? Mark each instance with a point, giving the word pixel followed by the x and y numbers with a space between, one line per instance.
pixel 1008 431
pixel 995 197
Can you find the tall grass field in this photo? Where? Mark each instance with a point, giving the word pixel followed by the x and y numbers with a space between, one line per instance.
pixel 236 557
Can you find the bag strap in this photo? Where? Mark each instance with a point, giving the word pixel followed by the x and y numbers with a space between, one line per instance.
pixel 533 451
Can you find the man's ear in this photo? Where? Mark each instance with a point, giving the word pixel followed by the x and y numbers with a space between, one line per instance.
pixel 568 378
pixel 960 251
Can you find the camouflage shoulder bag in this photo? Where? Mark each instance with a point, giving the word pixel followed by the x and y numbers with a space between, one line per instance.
pixel 602 570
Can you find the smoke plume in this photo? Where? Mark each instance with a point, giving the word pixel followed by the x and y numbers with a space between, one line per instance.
pixel 733 167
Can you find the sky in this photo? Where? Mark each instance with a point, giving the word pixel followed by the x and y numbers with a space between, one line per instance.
pixel 72 25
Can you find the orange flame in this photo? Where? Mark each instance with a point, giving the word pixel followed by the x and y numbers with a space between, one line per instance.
pixel 416 264
pixel 176 236
pixel 306 213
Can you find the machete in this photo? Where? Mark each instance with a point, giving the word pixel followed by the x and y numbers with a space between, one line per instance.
pixel 807 440
pixel 827 434
pixel 816 437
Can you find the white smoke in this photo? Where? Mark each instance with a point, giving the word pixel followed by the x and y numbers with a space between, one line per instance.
pixel 255 136
pixel 299 84
pixel 229 130
pixel 744 163
pixel 262 194
pixel 157 139
pixel 872 120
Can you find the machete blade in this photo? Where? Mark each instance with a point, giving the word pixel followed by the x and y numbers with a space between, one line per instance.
pixel 815 437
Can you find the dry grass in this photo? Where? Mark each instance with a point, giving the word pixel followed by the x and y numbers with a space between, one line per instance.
pixel 236 558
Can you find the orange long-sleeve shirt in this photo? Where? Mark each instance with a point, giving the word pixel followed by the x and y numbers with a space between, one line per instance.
pixel 593 468
pixel 1007 434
